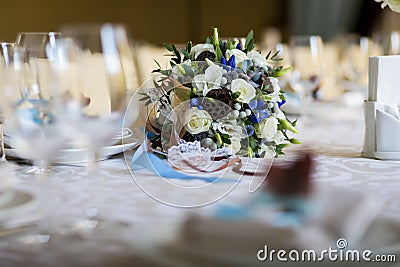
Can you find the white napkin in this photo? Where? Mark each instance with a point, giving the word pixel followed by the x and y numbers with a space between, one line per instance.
pixel 382 116
pixel 384 80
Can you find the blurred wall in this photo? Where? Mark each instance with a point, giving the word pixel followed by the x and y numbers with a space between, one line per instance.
pixel 154 21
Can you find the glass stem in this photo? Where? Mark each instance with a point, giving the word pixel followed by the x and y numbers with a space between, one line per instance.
pixel 92 209
pixel 45 188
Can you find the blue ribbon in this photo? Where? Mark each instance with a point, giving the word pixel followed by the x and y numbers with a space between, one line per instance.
pixel 300 208
pixel 143 159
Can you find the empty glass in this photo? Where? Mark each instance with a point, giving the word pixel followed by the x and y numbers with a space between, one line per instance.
pixel 92 79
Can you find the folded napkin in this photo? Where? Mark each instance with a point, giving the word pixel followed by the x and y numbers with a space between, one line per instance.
pixel 236 236
pixel 381 110
pixel 384 82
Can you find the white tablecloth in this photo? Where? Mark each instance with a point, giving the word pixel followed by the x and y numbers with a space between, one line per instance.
pixel 125 210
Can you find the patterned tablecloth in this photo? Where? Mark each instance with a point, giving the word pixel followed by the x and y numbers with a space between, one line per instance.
pixel 128 206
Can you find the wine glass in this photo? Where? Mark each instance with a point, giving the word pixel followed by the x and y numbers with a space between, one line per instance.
pixel 386 43
pixel 35 44
pixel 35 97
pixel 91 67
pixel 306 52
pixel 32 129
pixel 354 62
pixel 4 63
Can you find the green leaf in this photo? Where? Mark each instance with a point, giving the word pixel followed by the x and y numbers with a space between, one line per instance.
pixel 144 98
pixel 227 141
pixel 218 54
pixel 250 45
pixel 267 56
pixel 176 60
pixel 281 72
pixel 168 46
pixel 189 71
pixel 208 40
pixel 295 141
pixel 189 46
pixel 158 64
pixel 235 95
pixel 253 144
pixel 249 38
pixel 177 54
pixel 230 44
pixel 215 38
pixel 186 54
pixel 166 72
pixel 287 125
pixel 274 55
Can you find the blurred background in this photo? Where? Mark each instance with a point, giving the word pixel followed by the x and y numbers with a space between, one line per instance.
pixel 176 21
pixel 326 67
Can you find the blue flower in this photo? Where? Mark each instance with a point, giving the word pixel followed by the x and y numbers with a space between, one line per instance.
pixel 223 60
pixel 232 61
pixel 260 104
pixel 194 102
pixel 263 113
pixel 253 104
pixel 281 103
pixel 239 46
pixel 259 115
pixel 255 118
pixel 249 130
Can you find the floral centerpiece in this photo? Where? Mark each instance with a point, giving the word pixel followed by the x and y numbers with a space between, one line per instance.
pixel 223 94
pixel 393 4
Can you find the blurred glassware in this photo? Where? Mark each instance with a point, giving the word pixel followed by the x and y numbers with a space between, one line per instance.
pixel 92 68
pixel 4 62
pixel 35 44
pixel 356 51
pixel 31 129
pixel 306 53
pixel 386 43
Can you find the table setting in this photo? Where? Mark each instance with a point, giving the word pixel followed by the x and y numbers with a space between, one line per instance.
pixel 225 155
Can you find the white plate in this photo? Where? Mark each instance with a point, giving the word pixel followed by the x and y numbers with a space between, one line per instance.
pixel 123 135
pixel 78 155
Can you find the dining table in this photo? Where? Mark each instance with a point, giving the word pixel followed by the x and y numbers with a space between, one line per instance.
pixel 137 208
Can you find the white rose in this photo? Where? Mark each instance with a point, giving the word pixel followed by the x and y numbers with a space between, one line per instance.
pixel 393 4
pixel 279 113
pixel 269 151
pixel 267 128
pixel 235 145
pixel 246 90
pixel 276 87
pixel 230 126
pixel 197 121
pixel 257 58
pixel 211 79
pixel 240 56
pixel 279 138
pixel 199 48
pixel 213 76
pixel 199 82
